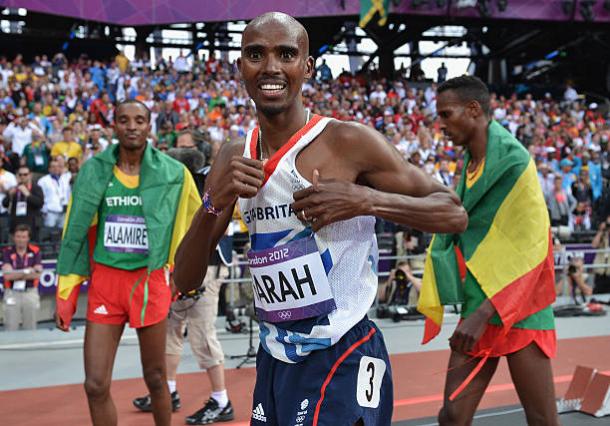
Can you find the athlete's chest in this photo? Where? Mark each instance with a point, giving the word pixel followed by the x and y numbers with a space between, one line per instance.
pixel 328 157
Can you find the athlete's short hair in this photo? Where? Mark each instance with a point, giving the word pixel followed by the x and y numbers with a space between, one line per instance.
pixel 468 88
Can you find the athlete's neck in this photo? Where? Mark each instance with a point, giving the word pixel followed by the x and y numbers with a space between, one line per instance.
pixel 129 160
pixel 277 129
pixel 478 144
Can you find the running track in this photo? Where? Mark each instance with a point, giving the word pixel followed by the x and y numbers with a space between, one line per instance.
pixel 418 383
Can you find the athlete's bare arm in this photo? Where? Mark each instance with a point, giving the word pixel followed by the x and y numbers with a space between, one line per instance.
pixel 368 176
pixel 231 176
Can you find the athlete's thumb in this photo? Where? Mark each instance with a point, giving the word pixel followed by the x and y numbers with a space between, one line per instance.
pixel 316 179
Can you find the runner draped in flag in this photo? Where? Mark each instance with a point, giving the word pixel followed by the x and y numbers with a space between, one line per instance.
pixel 308 187
pixel 130 207
pixel 500 269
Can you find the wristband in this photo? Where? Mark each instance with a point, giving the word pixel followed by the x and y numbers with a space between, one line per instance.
pixel 207 204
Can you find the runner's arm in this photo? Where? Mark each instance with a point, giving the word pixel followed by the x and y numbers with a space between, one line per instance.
pixel 231 176
pixel 387 187
pixel 197 247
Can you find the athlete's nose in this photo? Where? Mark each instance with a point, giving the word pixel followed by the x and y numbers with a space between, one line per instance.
pixel 272 65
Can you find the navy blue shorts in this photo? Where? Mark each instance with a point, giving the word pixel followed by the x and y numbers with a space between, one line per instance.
pixel 337 386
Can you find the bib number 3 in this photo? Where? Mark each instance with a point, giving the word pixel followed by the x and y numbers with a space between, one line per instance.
pixel 370 376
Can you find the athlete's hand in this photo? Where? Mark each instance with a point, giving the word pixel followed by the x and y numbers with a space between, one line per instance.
pixel 329 200
pixel 59 323
pixel 240 177
pixel 470 330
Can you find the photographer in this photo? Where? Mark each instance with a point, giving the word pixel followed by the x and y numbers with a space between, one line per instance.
pixel 397 289
pixel 601 241
pixel 576 280
pixel 197 312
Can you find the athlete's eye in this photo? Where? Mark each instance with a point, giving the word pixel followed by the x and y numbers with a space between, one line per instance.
pixel 288 54
pixel 255 56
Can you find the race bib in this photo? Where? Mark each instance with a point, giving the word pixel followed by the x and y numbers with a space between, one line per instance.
pixel 289 282
pixel 125 234
pixel 21 208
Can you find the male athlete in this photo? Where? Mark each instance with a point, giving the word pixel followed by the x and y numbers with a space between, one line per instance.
pixel 130 206
pixel 505 265
pixel 308 188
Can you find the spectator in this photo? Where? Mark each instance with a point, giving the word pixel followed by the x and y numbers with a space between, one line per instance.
pixel 546 179
pixel 19 133
pixel 561 204
pixel 601 242
pixel 24 202
pixel 21 266
pixel 444 174
pixel 167 135
pixel 400 286
pixel 95 142
pixel 212 65
pixel 181 64
pixel 167 114
pixel 56 189
pixel 180 104
pixel 324 72
pixel 122 62
pixel 570 94
pixel 568 176
pixel 73 168
pixel 7 182
pixel 577 280
pixel 36 156
pixel 100 109
pixel 441 73
pixel 67 147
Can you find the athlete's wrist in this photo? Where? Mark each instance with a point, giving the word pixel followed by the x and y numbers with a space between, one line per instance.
pixel 369 202
pixel 209 206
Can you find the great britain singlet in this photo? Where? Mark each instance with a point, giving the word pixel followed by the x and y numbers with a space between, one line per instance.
pixel 309 289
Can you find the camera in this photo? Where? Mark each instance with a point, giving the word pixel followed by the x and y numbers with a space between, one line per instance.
pixel 397 308
pixel 234 323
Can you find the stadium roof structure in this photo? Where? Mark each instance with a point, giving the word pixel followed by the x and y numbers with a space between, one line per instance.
pixel 511 42
pixel 153 12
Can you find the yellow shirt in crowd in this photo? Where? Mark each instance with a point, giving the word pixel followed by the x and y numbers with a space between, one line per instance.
pixel 67 149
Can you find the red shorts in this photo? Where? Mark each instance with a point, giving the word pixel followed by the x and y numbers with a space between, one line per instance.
pixel 117 296
pixel 515 340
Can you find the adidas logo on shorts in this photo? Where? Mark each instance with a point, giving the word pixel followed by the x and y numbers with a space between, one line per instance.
pixel 100 310
pixel 259 414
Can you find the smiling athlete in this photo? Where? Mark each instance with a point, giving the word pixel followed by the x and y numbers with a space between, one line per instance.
pixel 308 188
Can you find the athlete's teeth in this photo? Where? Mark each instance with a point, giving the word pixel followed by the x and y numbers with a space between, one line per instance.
pixel 271 87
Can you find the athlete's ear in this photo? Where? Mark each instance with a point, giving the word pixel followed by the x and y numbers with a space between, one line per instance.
pixel 309 67
pixel 474 109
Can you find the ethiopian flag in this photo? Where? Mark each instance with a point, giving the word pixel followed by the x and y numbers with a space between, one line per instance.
pixel 169 202
pixel 507 246
pixel 369 8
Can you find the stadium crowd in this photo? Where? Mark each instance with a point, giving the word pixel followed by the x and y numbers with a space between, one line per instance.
pixel 55 114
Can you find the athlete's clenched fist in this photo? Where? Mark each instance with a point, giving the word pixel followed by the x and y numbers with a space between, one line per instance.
pixel 237 177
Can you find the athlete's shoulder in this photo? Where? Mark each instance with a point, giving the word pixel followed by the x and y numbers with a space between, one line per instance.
pixel 347 134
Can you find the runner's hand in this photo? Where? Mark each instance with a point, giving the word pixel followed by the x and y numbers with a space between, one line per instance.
pixel 240 177
pixel 470 330
pixel 59 323
pixel 329 200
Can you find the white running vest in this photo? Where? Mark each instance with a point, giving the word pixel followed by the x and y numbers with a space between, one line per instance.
pixel 348 250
